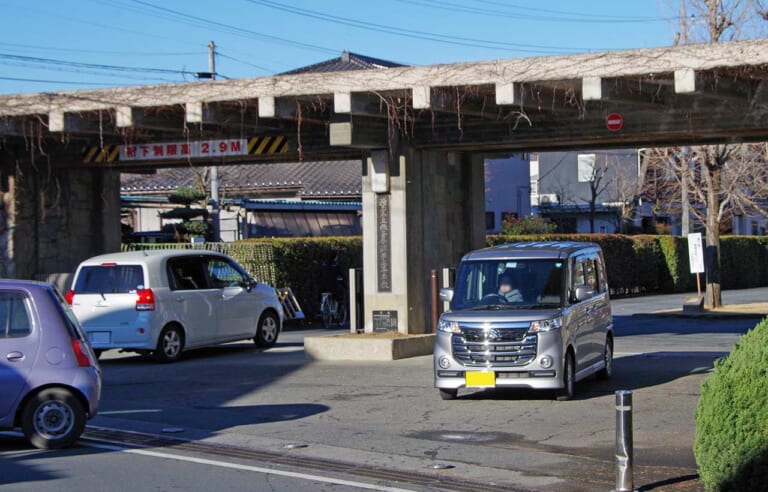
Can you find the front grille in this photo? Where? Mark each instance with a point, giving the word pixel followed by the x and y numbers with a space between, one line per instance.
pixel 496 345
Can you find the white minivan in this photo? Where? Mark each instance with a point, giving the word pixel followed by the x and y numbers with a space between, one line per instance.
pixel 166 301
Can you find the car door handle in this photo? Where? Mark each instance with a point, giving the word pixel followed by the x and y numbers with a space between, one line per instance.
pixel 15 356
pixel 179 299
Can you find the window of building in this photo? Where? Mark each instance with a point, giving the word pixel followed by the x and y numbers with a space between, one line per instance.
pixel 490 220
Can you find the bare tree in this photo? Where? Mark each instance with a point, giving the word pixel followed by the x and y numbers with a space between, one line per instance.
pixel 598 182
pixel 623 190
pixel 705 173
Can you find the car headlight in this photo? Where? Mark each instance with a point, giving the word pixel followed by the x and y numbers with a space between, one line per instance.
pixel 546 325
pixel 448 326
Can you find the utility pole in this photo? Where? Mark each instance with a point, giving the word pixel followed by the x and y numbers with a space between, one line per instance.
pixel 215 213
pixel 685 225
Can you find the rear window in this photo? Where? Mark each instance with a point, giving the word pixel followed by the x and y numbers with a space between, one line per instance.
pixel 14 317
pixel 109 279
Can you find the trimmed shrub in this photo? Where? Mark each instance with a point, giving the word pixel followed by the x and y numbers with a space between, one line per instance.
pixel 309 266
pixel 731 445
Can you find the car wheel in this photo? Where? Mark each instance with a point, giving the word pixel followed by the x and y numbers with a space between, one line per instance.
pixel 448 394
pixel 268 330
pixel 569 379
pixel 170 345
pixel 607 371
pixel 53 419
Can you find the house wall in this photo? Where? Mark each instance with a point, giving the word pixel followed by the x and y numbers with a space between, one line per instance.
pixel 558 181
pixel 507 189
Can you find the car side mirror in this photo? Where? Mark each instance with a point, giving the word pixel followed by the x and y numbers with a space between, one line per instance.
pixel 446 295
pixel 249 284
pixel 584 292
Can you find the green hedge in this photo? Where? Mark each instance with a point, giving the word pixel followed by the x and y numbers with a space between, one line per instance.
pixel 636 264
pixel 731 445
pixel 645 263
pixel 308 266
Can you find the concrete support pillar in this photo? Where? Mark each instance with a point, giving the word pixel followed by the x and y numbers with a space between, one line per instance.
pixel 421 210
pixel 53 217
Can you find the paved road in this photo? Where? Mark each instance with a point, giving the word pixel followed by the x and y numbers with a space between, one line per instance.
pixel 383 423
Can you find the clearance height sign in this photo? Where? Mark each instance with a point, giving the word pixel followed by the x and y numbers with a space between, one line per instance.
pixel 182 150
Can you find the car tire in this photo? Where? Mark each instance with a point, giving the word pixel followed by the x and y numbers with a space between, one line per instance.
pixel 53 418
pixel 267 331
pixel 170 345
pixel 607 371
pixel 448 394
pixel 569 378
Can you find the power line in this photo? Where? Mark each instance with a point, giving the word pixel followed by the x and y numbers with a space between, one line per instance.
pixel 46 81
pixel 31 47
pixel 260 67
pixel 414 34
pixel 580 17
pixel 228 28
pixel 87 72
pixel 66 63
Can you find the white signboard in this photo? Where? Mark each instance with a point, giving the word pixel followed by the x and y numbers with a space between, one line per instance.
pixel 586 167
pixel 695 252
pixel 184 150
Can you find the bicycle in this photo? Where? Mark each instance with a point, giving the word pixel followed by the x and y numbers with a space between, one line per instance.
pixel 332 311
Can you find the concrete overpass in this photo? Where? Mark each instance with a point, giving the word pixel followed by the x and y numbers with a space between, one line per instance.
pixel 420 132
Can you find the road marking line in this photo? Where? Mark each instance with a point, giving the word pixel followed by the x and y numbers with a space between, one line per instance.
pixel 268 471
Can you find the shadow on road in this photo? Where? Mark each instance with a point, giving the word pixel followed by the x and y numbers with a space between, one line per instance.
pixel 653 325
pixel 632 372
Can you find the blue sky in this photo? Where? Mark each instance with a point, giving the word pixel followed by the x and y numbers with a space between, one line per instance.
pixel 74 44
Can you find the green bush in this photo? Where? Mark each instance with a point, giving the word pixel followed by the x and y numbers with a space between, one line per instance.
pixel 309 266
pixel 731 445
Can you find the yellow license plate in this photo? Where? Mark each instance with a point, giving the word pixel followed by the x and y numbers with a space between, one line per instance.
pixel 480 379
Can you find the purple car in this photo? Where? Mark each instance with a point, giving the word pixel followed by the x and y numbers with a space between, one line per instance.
pixel 50 382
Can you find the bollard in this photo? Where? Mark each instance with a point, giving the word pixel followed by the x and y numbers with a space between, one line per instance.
pixel 624 445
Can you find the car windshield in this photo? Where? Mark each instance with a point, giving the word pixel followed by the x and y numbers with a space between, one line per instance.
pixel 509 284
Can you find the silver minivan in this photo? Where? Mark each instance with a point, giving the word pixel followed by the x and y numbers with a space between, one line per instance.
pixel 526 315
pixel 166 301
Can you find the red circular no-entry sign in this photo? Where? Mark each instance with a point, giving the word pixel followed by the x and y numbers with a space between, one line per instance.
pixel 614 122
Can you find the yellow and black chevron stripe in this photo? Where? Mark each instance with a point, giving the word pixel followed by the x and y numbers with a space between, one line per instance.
pixel 108 153
pixel 268 145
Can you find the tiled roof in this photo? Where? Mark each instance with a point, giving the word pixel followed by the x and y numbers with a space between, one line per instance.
pixel 347 61
pixel 311 180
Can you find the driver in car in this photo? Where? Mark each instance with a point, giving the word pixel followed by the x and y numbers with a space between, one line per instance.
pixel 507 291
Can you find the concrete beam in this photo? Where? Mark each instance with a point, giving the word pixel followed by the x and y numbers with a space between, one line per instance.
pixel 508 94
pixel 342 102
pixel 422 97
pixel 685 81
pixel 86 122
pixel 276 107
pixel 11 127
pixel 199 112
pixel 592 89
pixel 127 116
pixel 613 64
pixel 359 134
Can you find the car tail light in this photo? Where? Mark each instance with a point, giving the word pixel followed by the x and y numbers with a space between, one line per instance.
pixel 69 296
pixel 145 300
pixel 81 353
